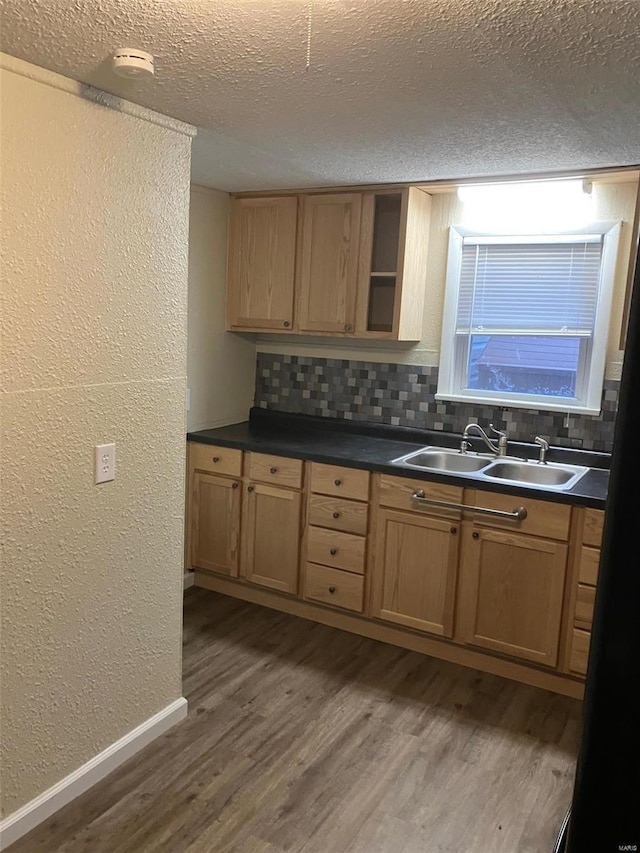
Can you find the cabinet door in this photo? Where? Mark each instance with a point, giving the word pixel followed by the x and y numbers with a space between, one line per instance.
pixel 511 592
pixel 415 571
pixel 215 532
pixel 271 537
pixel 329 262
pixel 262 251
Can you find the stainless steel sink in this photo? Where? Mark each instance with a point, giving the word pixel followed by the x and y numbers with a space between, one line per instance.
pixel 551 475
pixel 443 459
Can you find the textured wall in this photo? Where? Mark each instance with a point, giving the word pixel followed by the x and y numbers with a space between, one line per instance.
pixel 220 367
pixel 612 201
pixel 94 309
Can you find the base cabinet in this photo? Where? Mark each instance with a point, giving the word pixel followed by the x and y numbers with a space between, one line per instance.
pixel 215 523
pixel 271 536
pixel 415 571
pixel 511 593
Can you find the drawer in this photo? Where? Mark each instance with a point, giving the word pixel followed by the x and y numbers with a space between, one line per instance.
pixel 579 656
pixel 589 563
pixel 331 586
pixel 277 470
pixel 215 460
pixel 340 550
pixel 338 514
pixel 338 481
pixel 544 518
pixel 584 605
pixel 396 492
pixel 593 525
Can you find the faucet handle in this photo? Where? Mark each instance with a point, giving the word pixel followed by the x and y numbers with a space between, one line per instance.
pixel 497 431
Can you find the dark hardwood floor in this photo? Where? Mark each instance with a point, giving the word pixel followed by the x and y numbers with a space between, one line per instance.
pixel 303 738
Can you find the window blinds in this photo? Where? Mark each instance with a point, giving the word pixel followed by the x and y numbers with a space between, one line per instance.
pixel 529 285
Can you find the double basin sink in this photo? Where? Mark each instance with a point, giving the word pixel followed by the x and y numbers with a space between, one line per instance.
pixel 550 475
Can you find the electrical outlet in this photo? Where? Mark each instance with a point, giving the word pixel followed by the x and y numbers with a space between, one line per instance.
pixel 105 463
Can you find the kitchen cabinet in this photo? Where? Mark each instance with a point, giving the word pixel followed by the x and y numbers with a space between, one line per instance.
pixel 271 529
pixel 261 263
pixel 214 509
pixel 333 263
pixel 329 262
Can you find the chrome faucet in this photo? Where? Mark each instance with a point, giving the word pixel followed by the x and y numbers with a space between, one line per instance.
pixel 500 450
pixel 544 447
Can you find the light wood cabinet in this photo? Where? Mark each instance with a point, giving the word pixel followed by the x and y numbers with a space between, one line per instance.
pixel 415 571
pixel 262 263
pixel 511 593
pixel 215 523
pixel 329 262
pixel 271 530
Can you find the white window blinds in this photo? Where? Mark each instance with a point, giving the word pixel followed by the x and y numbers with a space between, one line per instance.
pixel 529 285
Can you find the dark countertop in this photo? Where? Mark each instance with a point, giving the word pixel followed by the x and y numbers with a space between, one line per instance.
pixel 373 446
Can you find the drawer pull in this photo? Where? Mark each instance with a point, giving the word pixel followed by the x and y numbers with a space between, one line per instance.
pixel 250 488
pixel 475 535
pixel 338 482
pixel 215 458
pixel 332 589
pixel 234 485
pixel 518 514
pixel 336 515
pixel 454 530
pixel 333 552
pixel 273 470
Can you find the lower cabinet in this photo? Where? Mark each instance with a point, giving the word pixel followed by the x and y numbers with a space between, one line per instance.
pixel 271 536
pixel 414 579
pixel 511 593
pixel 215 523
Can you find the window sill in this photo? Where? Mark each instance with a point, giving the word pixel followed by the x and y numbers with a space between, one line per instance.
pixel 541 406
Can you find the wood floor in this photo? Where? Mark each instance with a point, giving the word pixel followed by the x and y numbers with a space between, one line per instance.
pixel 303 738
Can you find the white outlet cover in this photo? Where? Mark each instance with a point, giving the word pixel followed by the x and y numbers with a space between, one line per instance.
pixel 105 463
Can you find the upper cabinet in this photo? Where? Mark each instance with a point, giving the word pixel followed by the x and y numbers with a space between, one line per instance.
pixel 262 263
pixel 348 264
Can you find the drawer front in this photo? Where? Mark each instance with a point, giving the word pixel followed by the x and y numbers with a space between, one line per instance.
pixel 593 525
pixel 331 586
pixel 589 563
pixel 579 656
pixel 584 605
pixel 340 550
pixel 396 492
pixel 277 470
pixel 338 514
pixel 338 481
pixel 215 460
pixel 544 518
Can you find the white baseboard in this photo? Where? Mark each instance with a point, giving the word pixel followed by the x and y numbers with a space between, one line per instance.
pixel 30 815
pixel 189 580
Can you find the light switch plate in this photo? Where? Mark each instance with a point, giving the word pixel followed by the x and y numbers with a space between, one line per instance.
pixel 105 463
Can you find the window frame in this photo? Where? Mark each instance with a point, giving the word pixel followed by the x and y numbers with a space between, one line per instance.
pixel 453 370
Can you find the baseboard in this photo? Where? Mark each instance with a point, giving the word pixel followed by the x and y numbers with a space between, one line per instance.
pixel 33 813
pixel 188 580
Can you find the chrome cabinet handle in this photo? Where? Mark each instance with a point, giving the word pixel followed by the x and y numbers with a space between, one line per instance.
pixel 518 514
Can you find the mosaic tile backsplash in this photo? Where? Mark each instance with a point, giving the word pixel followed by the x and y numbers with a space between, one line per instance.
pixel 404 395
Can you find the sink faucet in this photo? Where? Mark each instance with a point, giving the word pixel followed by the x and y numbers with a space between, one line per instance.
pixel 544 447
pixel 500 450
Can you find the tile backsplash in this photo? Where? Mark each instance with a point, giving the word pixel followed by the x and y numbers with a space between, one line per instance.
pixel 404 395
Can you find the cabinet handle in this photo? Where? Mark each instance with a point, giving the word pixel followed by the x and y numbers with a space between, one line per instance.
pixel 234 485
pixel 347 327
pixel 332 589
pixel 215 458
pixel 338 482
pixel 475 535
pixel 336 515
pixel 333 552
pixel 286 324
pixel 518 514
pixel 273 470
pixel 454 530
pixel 250 488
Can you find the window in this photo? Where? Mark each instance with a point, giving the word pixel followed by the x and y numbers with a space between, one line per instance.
pixel 526 318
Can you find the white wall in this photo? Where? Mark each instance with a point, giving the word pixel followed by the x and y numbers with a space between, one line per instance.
pixel 94 316
pixel 221 365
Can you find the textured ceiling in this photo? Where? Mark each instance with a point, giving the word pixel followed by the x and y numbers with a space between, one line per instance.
pixel 397 90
